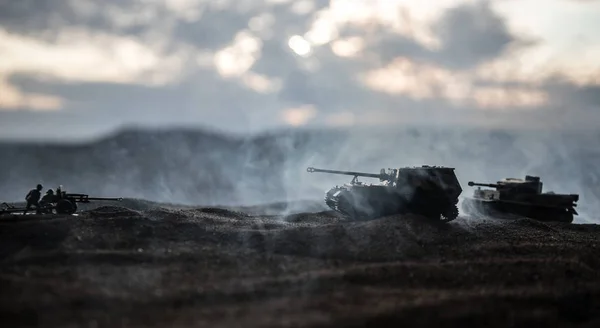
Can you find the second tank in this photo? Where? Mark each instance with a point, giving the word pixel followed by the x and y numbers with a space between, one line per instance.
pixel 522 197
pixel 431 191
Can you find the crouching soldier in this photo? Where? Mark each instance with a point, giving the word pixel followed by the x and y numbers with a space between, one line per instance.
pixel 47 200
pixel 33 198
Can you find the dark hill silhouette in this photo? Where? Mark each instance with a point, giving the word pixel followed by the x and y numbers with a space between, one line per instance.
pixel 201 167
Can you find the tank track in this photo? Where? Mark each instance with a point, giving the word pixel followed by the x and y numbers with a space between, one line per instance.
pixel 342 206
pixel 450 215
pixel 335 202
pixel 539 213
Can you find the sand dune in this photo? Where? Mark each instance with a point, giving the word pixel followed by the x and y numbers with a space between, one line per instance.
pixel 180 267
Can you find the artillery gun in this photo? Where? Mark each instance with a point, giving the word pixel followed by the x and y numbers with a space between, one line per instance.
pixel 523 197
pixel 66 203
pixel 431 191
pixel 60 202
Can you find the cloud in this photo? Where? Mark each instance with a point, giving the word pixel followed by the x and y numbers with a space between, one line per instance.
pixel 299 116
pixel 80 55
pixel 13 98
pixel 471 35
pixel 249 62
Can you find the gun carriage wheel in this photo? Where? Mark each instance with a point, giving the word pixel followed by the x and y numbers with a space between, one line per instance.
pixel 65 206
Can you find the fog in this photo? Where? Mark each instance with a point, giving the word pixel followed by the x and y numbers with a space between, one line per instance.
pixel 209 169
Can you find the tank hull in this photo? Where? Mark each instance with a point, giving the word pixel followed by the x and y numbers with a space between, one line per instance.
pixel 497 208
pixel 430 191
pixel 374 201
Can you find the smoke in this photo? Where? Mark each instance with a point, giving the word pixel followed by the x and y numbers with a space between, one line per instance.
pixel 198 168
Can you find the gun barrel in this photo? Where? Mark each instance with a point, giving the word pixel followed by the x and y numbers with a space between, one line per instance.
pixel 105 198
pixel 84 198
pixel 360 174
pixel 490 185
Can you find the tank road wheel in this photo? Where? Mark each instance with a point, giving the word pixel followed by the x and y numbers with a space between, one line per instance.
pixel 349 210
pixel 551 215
pixel 567 217
pixel 65 206
pixel 564 216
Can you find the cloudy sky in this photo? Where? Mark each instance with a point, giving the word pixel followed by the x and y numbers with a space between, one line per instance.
pixel 75 68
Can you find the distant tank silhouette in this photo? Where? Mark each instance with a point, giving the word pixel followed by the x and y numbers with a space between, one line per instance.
pixel 521 197
pixel 431 191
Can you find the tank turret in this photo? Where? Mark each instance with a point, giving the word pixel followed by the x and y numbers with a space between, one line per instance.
pixel 508 186
pixel 524 197
pixel 431 191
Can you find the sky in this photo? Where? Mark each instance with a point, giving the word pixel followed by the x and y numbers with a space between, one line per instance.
pixel 78 68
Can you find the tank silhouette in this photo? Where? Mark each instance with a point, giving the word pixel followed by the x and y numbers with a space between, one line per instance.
pixel 523 197
pixel 431 191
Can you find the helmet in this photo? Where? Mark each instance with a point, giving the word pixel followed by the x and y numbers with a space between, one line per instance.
pixel 50 192
pixel 39 187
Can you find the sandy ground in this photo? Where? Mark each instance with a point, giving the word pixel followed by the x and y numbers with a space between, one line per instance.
pixel 115 267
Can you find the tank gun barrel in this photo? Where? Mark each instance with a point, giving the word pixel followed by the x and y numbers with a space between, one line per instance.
pixel 358 174
pixel 490 185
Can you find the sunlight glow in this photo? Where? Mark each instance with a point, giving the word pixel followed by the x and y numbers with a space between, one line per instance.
pixel 239 57
pixel 323 30
pixel 350 47
pixel 299 45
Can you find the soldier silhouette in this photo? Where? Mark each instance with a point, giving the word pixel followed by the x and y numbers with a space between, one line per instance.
pixel 47 200
pixel 33 198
